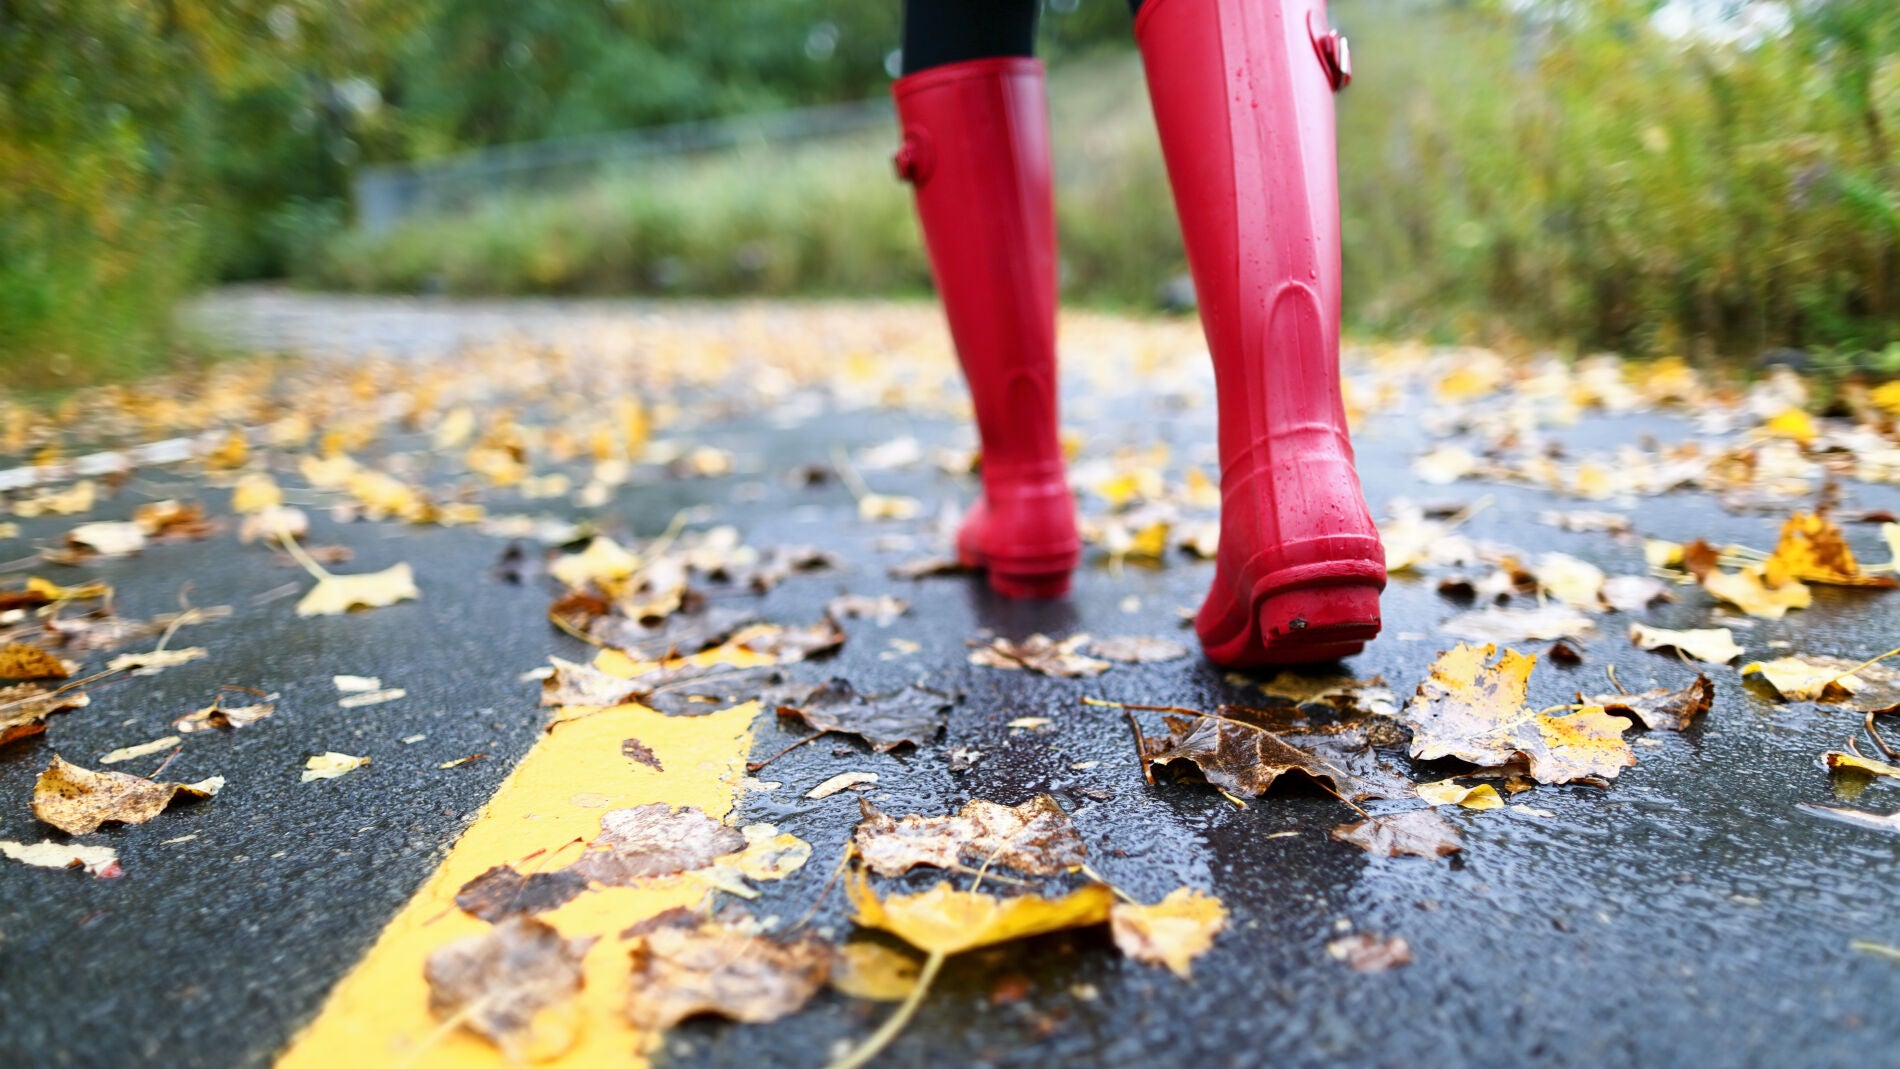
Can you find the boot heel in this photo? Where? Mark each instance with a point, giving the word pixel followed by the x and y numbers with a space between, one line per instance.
pixel 1317 623
pixel 1033 586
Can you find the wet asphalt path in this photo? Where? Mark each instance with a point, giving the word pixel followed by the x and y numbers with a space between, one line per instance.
pixel 1689 915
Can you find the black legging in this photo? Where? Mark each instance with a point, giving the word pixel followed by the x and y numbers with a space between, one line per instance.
pixel 937 32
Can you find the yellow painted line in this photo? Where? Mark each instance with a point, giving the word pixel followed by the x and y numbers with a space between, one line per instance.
pixel 379 1015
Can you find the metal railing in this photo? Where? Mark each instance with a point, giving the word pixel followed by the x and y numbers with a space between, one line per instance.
pixel 387 193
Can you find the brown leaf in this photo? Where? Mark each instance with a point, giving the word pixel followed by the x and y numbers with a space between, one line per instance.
pixel 1660 709
pixel 1246 760
pixel 19 661
pixel 514 985
pixel 571 683
pixel 77 800
pixel 1475 711
pixel 681 635
pixel 216 716
pixel 1040 653
pixel 1036 838
pixel 913 715
pixel 654 840
pixel 695 690
pixel 715 969
pixel 883 608
pixel 1421 833
pixel 502 892
pixel 24 708
pixel 1138 649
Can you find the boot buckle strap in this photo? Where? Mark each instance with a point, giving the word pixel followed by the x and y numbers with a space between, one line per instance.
pixel 1335 56
pixel 916 158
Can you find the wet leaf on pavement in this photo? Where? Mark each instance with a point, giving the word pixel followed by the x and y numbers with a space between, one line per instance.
pixel 1660 709
pixel 1448 792
pixel 1716 645
pixel 1812 549
pixel 1035 838
pixel 1829 680
pixel 655 840
pixel 1172 932
pixel 24 709
pixel 1751 591
pixel 331 765
pixel 22 662
pixel 1138 649
pixel 1420 833
pixel 1368 953
pixel 514 985
pixel 913 715
pixel 788 645
pixel 883 608
pixel 78 800
pixel 335 595
pixel 1474 711
pixel 945 920
pixel 1246 760
pixel 1040 653
pixel 100 861
pixel 1836 761
pixel 719 970
pixel 503 892
pixel 583 684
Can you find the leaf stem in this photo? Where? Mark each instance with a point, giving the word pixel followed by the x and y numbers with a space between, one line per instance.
pixel 889 1030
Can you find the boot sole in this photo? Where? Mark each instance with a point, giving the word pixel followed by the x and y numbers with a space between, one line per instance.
pixel 1319 613
pixel 1043 577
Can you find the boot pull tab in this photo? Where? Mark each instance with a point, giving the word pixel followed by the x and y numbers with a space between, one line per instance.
pixel 1335 57
pixel 916 157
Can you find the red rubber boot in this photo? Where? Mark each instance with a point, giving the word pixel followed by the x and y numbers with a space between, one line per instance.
pixel 976 148
pixel 1242 93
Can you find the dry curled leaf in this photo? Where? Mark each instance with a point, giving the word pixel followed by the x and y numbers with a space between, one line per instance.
pixel 583 684
pixel 1172 932
pixel 716 969
pixel 655 840
pixel 1752 591
pixel 335 595
pixel 1138 649
pixel 1837 761
pixel 151 662
pixel 944 920
pixel 107 539
pixel 843 781
pixel 913 715
pixel 216 717
pixel 1474 711
pixel 787 645
pixel 1040 653
pixel 128 753
pixel 1036 838
pixel 331 765
pixel 1420 833
pixel 78 800
pixel 514 985
pixel 503 892
pixel 1660 709
pixel 1716 645
pixel 24 709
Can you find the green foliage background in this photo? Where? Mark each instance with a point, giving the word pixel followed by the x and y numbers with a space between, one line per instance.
pixel 1506 173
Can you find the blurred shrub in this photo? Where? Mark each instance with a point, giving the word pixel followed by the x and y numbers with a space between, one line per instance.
pixel 1563 172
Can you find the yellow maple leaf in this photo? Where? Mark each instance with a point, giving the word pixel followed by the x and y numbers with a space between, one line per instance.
pixel 1813 549
pixel 1750 591
pixel 1172 932
pixel 1474 711
pixel 944 920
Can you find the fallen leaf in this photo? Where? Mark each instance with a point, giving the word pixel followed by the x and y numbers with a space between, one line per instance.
pixel 127 753
pixel 889 507
pixel 78 800
pixel 788 645
pixel 100 861
pixel 1857 817
pixel 582 684
pixel 1475 711
pixel 913 715
pixel 152 662
pixel 1716 645
pixel 374 697
pixel 1542 624
pixel 883 608
pixel 108 539
pixel 928 567
pixel 1040 653
pixel 1448 792
pixel 503 892
pixel 1812 549
pixel 1421 833
pixel 655 840
pixel 331 765
pixel 1576 583
pixel 1368 953
pixel 677 636
pixel 1246 760
pixel 1036 838
pixel 715 969
pixel 843 781
pixel 1172 932
pixel 1836 760
pixel 25 707
pixel 944 920
pixel 1750 591
pixel 335 595
pixel 640 753
pixel 173 519
pixel 1138 649
pixel 1634 593
pixel 514 985
pixel 1660 709
pixel 874 972
pixel 19 661
pixel 216 716
pixel 1828 680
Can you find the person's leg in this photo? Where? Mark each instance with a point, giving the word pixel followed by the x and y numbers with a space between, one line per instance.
pixel 1242 93
pixel 976 150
